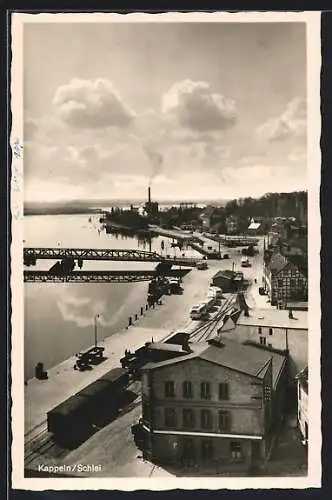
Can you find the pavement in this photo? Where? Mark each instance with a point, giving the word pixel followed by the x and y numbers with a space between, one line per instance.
pixel 63 381
pixel 112 447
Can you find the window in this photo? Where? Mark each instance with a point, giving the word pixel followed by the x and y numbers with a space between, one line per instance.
pixel 280 283
pixel 223 391
pixel 270 331
pixel 188 448
pixel 269 346
pixel 224 421
pixel 206 419
pixel 207 450
pixel 170 417
pixel 187 391
pixel 169 389
pixel 292 283
pixel 259 329
pixel 262 340
pixel 205 390
pixel 188 418
pixel 236 450
pixel 299 414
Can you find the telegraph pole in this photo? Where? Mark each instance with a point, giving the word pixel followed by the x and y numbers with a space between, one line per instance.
pixel 95 328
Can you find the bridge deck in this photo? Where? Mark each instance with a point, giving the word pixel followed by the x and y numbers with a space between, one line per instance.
pixel 117 276
pixel 105 254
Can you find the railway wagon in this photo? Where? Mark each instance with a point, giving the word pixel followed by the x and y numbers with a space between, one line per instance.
pixel 72 421
pixel 150 352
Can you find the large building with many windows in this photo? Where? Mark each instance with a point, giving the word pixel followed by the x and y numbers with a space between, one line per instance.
pixel 217 405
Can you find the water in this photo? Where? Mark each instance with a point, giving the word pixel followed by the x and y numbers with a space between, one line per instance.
pixel 59 318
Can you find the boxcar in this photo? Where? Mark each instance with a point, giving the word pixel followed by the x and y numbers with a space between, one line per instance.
pixel 72 421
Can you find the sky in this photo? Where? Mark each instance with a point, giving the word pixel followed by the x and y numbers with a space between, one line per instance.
pixel 198 110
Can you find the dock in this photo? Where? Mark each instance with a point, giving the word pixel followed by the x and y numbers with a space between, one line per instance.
pixel 194 240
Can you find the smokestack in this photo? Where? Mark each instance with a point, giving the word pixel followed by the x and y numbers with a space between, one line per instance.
pixel 149 194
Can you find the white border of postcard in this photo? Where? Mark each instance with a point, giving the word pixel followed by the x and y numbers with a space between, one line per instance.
pixel 313 479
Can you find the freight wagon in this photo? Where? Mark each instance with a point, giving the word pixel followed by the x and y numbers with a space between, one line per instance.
pixel 150 352
pixel 73 420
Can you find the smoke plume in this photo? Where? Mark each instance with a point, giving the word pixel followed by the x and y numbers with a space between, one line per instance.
pixel 156 161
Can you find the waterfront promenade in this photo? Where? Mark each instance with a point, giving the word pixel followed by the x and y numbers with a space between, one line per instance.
pixel 43 395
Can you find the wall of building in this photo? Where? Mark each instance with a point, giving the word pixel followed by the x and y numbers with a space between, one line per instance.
pixel 168 448
pixel 302 409
pixel 244 404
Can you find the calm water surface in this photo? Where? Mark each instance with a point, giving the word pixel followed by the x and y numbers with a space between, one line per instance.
pixel 59 317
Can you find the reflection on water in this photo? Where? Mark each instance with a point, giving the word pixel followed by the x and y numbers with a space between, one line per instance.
pixel 59 317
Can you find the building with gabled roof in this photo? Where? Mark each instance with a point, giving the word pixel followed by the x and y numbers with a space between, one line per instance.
pixel 213 406
pixel 285 278
pixel 282 330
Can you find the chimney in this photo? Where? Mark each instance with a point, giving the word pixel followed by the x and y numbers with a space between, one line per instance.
pixel 149 194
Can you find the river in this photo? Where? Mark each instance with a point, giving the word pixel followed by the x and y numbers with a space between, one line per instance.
pixel 59 318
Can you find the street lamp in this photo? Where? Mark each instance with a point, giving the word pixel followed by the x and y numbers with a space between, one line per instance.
pixel 95 328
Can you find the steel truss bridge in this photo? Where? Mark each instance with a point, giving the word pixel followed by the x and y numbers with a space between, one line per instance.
pixel 118 276
pixel 104 254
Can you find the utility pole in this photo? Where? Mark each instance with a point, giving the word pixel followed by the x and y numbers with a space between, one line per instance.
pixel 95 328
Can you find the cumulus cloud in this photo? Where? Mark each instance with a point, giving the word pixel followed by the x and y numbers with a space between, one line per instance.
pixel 91 104
pixel 196 107
pixel 290 124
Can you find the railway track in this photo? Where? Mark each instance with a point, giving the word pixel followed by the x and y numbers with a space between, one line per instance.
pixel 39 442
pixel 204 332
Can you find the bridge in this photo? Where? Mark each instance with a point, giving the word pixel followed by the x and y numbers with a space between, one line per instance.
pixel 32 254
pixel 118 276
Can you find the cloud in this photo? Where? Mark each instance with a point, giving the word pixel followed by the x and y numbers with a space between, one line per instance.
pixel 91 104
pixel 290 124
pixel 196 107
pixel 298 155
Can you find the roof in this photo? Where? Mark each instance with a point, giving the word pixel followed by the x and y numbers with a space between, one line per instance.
pixel 303 378
pixel 277 262
pixel 114 375
pixel 254 225
pixel 230 354
pixel 69 406
pixel 278 361
pixel 209 211
pixel 227 273
pixel 275 318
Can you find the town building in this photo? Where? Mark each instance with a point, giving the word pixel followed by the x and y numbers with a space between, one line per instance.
pixel 228 281
pixel 209 217
pixel 257 225
pixel 302 403
pixel 285 277
pixel 283 330
pixel 254 227
pixel 217 406
pixel 231 224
